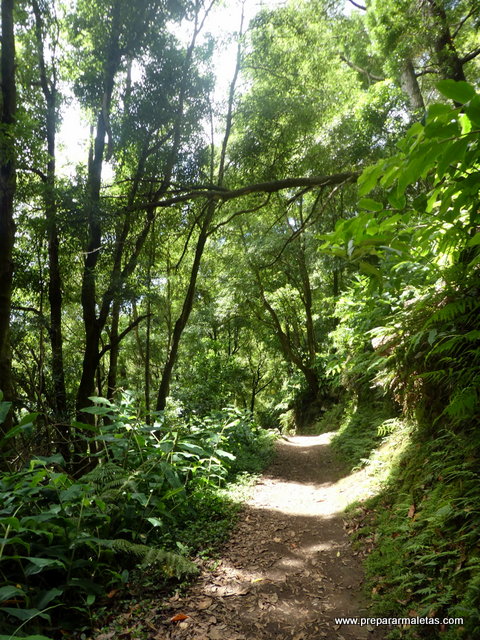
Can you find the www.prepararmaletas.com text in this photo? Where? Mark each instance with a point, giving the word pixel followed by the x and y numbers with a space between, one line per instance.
pixel 416 620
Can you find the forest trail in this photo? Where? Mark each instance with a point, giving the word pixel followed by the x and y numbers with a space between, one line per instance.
pixel 288 569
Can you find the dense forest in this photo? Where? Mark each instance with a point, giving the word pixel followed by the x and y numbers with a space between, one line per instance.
pixel 294 247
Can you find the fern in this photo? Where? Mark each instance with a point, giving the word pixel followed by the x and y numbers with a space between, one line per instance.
pixel 105 475
pixel 172 564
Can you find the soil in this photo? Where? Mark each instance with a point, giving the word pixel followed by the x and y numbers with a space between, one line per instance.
pixel 289 569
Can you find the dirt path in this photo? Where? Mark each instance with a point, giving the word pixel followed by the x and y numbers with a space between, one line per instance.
pixel 288 569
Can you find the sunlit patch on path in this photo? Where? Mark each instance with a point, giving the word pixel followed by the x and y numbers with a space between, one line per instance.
pixel 288 569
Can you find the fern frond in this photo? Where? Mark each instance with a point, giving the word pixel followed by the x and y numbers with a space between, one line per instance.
pixel 105 474
pixel 172 564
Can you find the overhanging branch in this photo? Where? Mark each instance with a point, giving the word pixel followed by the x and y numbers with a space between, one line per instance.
pixel 260 187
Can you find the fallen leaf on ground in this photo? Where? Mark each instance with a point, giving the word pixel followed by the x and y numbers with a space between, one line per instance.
pixel 205 603
pixel 179 617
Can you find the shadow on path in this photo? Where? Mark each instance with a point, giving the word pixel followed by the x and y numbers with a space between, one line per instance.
pixel 288 570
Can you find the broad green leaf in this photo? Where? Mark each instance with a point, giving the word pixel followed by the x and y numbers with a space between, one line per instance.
pixel 39 564
pixel 396 200
pixel 28 418
pixel 390 175
pixel 25 614
pixel 472 110
pixel 99 411
pixel 453 154
pixel 84 426
pixel 193 448
pixel 4 409
pixel 442 130
pixel 100 400
pixel 225 454
pixel 72 493
pixel 458 91
pixel 371 205
pixel 45 597
pixel 57 458
pixel 155 522
pixel 9 592
pixel 369 178
pixel 475 241
pixel 368 268
pixel 438 110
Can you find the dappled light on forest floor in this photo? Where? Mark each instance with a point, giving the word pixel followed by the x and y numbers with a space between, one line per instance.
pixel 288 570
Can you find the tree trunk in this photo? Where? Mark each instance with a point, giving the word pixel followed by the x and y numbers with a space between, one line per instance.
pixel 113 364
pixel 410 86
pixel 7 192
pixel 55 281
pixel 210 207
pixel 88 295
pixel 182 320
pixel 451 66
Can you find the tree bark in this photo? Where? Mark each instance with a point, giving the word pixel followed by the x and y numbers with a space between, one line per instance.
pixel 88 294
pixel 288 351
pixel 449 62
pixel 7 193
pixel 114 351
pixel 55 296
pixel 410 86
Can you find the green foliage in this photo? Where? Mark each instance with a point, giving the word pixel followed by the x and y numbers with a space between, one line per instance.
pixel 85 536
pixel 409 329
pixel 365 421
pixel 428 517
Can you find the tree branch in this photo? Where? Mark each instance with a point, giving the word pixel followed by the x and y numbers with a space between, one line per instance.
pixel 260 187
pixel 122 335
pixel 470 56
pixel 355 67
pixel 463 21
pixel 239 213
pixel 304 224
pixel 425 71
pixel 359 6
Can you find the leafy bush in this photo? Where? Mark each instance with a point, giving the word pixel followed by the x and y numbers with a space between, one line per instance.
pixel 65 542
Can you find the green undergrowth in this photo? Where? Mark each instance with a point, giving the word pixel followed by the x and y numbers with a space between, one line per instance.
pixel 160 498
pixel 420 531
pixel 361 426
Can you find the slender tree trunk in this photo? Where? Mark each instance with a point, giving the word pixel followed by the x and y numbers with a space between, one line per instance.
pixel 92 326
pixel 113 363
pixel 210 207
pixel 287 348
pixel 308 305
pixel 147 373
pixel 410 86
pixel 7 193
pixel 182 320
pixel 55 296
